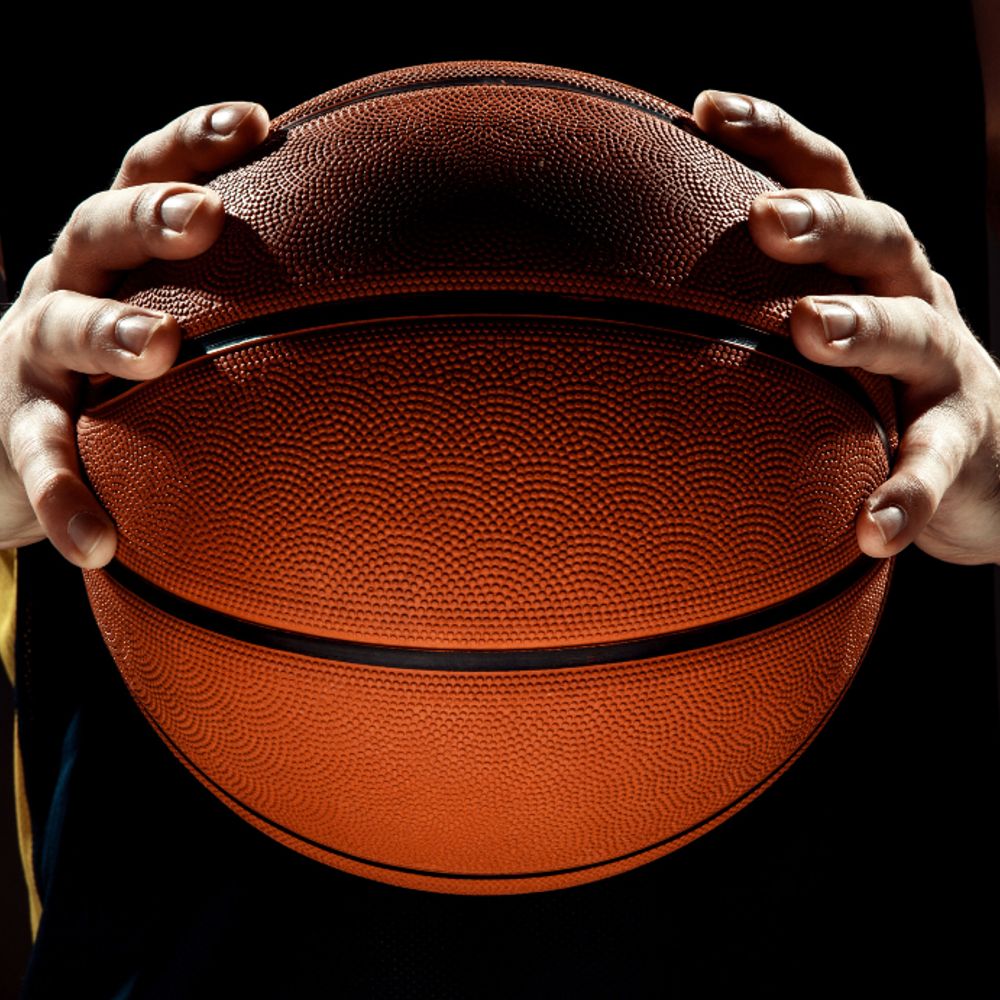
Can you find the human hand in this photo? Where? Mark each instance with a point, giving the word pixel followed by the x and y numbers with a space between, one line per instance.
pixel 943 493
pixel 61 328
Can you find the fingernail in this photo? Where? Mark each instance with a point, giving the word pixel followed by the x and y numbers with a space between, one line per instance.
pixel 225 121
pixel 86 532
pixel 133 332
pixel 794 214
pixel 890 521
pixel 839 321
pixel 176 211
pixel 731 107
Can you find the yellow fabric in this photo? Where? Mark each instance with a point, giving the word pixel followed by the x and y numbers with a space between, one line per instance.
pixel 8 622
pixel 8 607
pixel 24 838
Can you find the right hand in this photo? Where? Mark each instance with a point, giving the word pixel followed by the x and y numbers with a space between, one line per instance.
pixel 61 328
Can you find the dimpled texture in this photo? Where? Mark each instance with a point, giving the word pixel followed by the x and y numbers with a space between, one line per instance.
pixel 596 190
pixel 546 777
pixel 487 481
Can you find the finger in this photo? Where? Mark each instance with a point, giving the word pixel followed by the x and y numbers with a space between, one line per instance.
pixel 931 454
pixel 42 450
pixel 789 151
pixel 118 230
pixel 202 141
pixel 37 282
pixel 68 332
pixel 865 239
pixel 905 337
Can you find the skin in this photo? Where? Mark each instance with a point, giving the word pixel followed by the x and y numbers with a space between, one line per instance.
pixel 944 491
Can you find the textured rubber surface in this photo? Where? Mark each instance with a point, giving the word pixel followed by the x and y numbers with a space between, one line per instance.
pixel 496 482
pixel 546 778
pixel 469 482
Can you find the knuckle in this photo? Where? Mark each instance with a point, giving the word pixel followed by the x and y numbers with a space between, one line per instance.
pixel 36 322
pixel 143 212
pixel 191 129
pixel 918 487
pixel 38 279
pixel 26 445
pixel 135 163
pixel 79 230
pixel 875 328
pixel 942 342
pixel 829 161
pixel 97 324
pixel 973 424
pixel 778 118
pixel 897 230
pixel 835 159
pixel 943 292
pixel 769 119
pixel 141 160
pixel 49 484
pixel 940 449
pixel 831 215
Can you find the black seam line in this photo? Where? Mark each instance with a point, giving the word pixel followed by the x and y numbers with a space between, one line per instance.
pixel 503 876
pixel 459 660
pixel 475 81
pixel 501 305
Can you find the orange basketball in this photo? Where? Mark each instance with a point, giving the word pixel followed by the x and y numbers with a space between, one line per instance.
pixel 489 535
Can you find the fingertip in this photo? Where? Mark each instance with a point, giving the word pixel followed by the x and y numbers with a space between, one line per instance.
pixel 784 225
pixel 150 344
pixel 166 340
pixel 882 529
pixel 704 112
pixel 190 221
pixel 243 122
pixel 765 227
pixel 93 540
pixel 199 143
pixel 822 330
pixel 227 118
pixel 806 328
pixel 715 109
pixel 257 125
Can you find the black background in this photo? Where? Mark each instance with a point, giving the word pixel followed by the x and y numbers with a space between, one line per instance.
pixel 880 843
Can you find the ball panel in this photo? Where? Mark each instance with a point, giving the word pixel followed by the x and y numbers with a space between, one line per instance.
pixel 475 885
pixel 477 773
pixel 503 481
pixel 484 186
pixel 478 71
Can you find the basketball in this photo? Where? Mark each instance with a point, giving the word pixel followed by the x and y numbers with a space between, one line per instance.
pixel 489 535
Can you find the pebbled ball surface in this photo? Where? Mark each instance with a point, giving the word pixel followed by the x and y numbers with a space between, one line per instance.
pixel 502 482
pixel 487 479
pixel 559 776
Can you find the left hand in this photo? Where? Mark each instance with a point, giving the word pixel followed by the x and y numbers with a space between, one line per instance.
pixel 943 493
